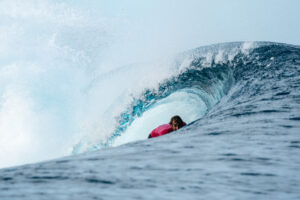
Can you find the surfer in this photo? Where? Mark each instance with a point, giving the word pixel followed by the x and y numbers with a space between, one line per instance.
pixel 175 124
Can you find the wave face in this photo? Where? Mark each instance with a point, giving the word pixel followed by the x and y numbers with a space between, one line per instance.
pixel 242 105
pixel 198 80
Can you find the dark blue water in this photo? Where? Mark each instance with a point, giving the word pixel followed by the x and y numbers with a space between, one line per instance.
pixel 246 144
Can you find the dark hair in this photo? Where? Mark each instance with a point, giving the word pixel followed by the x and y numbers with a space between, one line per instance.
pixel 178 120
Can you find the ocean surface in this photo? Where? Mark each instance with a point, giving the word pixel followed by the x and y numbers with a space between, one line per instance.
pixel 241 102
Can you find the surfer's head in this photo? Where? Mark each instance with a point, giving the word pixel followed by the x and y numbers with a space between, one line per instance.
pixel 176 123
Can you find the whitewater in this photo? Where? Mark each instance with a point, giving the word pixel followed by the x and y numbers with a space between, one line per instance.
pixel 76 111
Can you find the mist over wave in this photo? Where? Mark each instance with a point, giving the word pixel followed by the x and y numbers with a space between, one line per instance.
pixel 59 80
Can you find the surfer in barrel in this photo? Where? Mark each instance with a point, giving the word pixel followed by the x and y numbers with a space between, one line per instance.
pixel 175 123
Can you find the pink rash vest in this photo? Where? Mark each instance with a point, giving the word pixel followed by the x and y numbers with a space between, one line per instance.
pixel 161 130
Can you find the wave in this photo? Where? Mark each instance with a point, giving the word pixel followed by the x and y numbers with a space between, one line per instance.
pixel 205 75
